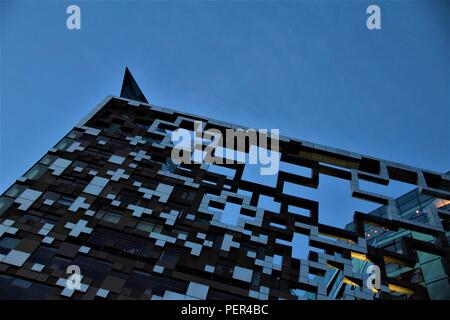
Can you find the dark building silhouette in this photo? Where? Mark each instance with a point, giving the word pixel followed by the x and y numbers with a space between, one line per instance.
pixel 108 199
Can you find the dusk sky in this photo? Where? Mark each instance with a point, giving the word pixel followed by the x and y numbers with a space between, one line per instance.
pixel 311 69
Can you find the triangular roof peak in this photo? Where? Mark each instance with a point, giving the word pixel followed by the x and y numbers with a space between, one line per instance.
pixel 130 88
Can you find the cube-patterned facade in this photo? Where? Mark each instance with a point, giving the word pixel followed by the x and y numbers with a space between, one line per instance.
pixel 109 200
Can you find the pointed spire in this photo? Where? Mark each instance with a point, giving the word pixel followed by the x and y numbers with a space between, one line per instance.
pixel 130 88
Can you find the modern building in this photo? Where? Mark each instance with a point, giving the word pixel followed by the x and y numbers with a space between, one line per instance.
pixel 429 269
pixel 107 203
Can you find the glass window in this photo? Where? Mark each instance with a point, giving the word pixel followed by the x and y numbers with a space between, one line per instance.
pixel 64 144
pixel 108 216
pixel 5 203
pixel 66 201
pixel 423 198
pixel 408 201
pixel 21 283
pixel 111 217
pixel 425 256
pixel 48 159
pixel 145 226
pixel 36 172
pixel 7 243
pixel 422 236
pixel 391 267
pixel 433 270
pixel 439 290
pixel 74 134
pixel 15 190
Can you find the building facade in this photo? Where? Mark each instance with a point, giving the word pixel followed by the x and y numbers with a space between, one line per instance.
pixel 107 203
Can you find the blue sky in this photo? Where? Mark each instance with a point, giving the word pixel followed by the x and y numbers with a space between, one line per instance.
pixel 311 69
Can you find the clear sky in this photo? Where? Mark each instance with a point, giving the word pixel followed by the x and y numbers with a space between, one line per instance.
pixel 310 68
